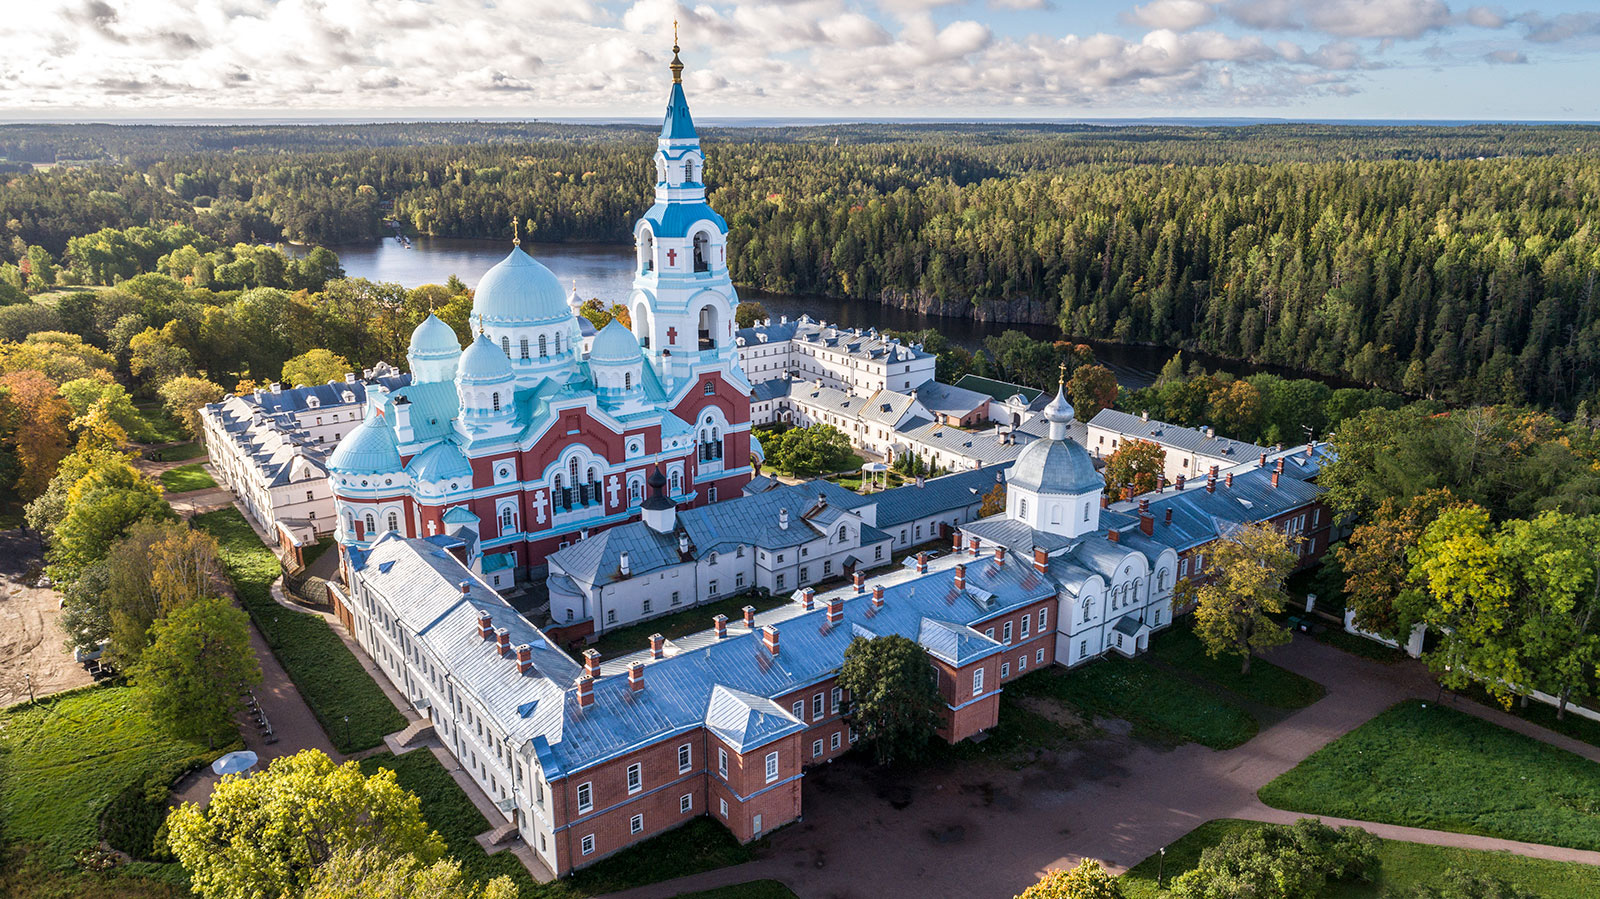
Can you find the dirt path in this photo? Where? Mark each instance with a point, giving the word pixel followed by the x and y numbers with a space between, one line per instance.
pixel 32 644
pixel 988 832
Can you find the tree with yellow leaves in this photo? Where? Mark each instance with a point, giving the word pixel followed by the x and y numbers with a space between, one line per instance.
pixel 1232 608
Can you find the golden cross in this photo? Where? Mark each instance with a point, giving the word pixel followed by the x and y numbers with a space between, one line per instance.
pixel 516 232
pixel 674 32
pixel 1063 374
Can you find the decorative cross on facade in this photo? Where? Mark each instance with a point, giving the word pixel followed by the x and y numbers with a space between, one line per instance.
pixel 614 488
pixel 672 257
pixel 672 335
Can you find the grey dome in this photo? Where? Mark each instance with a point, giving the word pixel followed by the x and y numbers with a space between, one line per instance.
pixel 1055 466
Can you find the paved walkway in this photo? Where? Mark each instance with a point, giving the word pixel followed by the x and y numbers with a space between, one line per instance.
pixel 982 832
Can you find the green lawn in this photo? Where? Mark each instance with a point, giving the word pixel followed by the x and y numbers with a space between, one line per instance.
pixel 634 637
pixel 329 676
pixel 1574 726
pixel 186 478
pixel 1266 683
pixel 1160 705
pixel 1403 866
pixel 65 758
pixel 160 427
pixel 1425 765
pixel 178 453
pixel 700 845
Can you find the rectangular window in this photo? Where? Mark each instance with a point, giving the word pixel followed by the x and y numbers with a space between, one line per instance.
pixel 1022 663
pixel 588 844
pixel 772 767
pixel 722 761
pixel 816 707
pixel 780 580
pixel 1038 657
pixel 635 778
pixel 1005 633
pixel 585 798
pixel 816 748
pixel 611 616
pixel 805 574
pixel 1044 618
pixel 1183 568
pixel 738 581
pixel 636 824
pixel 1026 620
pixel 1083 648
pixel 827 567
pixel 684 758
pixel 838 696
pixel 989 632
pixel 724 804
pixel 686 803
pixel 646 607
pixel 877 553
pixel 675 599
pixel 977 681
pixel 833 742
pixel 1005 671
pixel 711 588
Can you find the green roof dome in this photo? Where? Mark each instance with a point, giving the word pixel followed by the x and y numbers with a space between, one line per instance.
pixel 615 345
pixel 483 363
pixel 519 291
pixel 370 449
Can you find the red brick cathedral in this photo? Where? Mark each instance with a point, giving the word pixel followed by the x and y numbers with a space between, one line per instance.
pixel 523 441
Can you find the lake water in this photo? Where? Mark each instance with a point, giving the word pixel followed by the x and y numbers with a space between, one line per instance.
pixel 606 271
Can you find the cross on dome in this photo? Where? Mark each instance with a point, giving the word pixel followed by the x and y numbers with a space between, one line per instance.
pixel 677 64
pixel 516 232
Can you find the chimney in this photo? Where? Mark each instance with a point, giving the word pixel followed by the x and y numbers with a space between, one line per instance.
pixel 720 625
pixel 1161 483
pixel 922 563
pixel 860 581
pixel 349 377
pixel 1105 501
pixel 1263 460
pixel 835 610
pixel 999 554
pixel 955 545
pixel 769 638
pixel 1211 433
pixel 683 544
pixel 502 641
pixel 466 587
pixel 1114 535
pixel 485 625
pixel 1211 480
pixel 1227 480
pixel 1147 522
pixel 1311 449
pixel 276 388
pixel 877 596
pixel 750 617
pixel 808 598
pixel 961 577
pixel 783 519
pixel 1145 415
pixel 591 663
pixel 524 658
pixel 635 676
pixel 1275 476
pixel 974 545
pixel 585 691
pixel 1041 560
pixel 1177 484
pixel 622 563
pixel 1169 515
pixel 658 646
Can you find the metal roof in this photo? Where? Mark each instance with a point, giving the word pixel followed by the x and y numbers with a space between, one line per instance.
pixel 936 496
pixel 946 399
pixel 999 390
pixel 867 345
pixel 1191 440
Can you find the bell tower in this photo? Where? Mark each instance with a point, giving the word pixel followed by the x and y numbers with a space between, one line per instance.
pixel 683 300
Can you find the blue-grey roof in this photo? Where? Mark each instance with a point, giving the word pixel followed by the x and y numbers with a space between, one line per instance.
pixel 433 339
pixel 616 345
pixel 440 462
pixel 945 399
pixel 770 389
pixel 322 396
pixel 991 447
pixel 369 449
pixel 955 644
pixel 483 362
pixel 1055 466
pixel 936 496
pixel 866 344
pixel 745 721
pixel 1192 440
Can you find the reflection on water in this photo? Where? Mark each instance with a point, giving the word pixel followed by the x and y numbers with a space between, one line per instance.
pixel 606 271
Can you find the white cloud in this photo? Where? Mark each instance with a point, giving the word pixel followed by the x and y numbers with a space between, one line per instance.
pixel 1178 15
pixel 1344 18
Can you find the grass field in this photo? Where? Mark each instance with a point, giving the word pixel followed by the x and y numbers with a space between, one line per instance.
pixel 1266 683
pixel 178 453
pixel 1161 705
pixel 64 758
pixel 1424 765
pixel 634 637
pixel 186 478
pixel 160 427
pixel 329 676
pixel 1402 867
pixel 1574 726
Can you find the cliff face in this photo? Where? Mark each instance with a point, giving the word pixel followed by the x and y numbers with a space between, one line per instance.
pixel 1025 310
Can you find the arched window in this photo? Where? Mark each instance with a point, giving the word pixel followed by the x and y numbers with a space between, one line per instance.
pixel 572 468
pixel 627 380
pixel 1022 507
pixel 558 343
pixel 844 533
pixel 524 347
pixel 1161 579
pixel 505 520
pixel 647 252
pixel 505 345
pixel 544 353
pixel 1088 607
pixel 394 522
pixel 496 400
pixel 1085 511
pixel 635 492
pixel 675 481
pixel 558 482
pixel 688 170
pixel 372 524
pixel 702 252
pixel 1055 513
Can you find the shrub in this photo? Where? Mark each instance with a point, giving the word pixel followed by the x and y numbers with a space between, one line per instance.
pixel 1281 862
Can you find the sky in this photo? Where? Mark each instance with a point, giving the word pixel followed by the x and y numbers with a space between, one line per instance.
pixel 838 59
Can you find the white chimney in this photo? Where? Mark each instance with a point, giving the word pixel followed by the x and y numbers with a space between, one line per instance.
pixel 622 563
pixel 783 519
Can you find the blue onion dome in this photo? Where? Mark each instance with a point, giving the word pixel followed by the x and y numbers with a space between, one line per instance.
pixel 520 291
pixel 440 462
pixel 483 363
pixel 370 449
pixel 615 345
pixel 433 339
